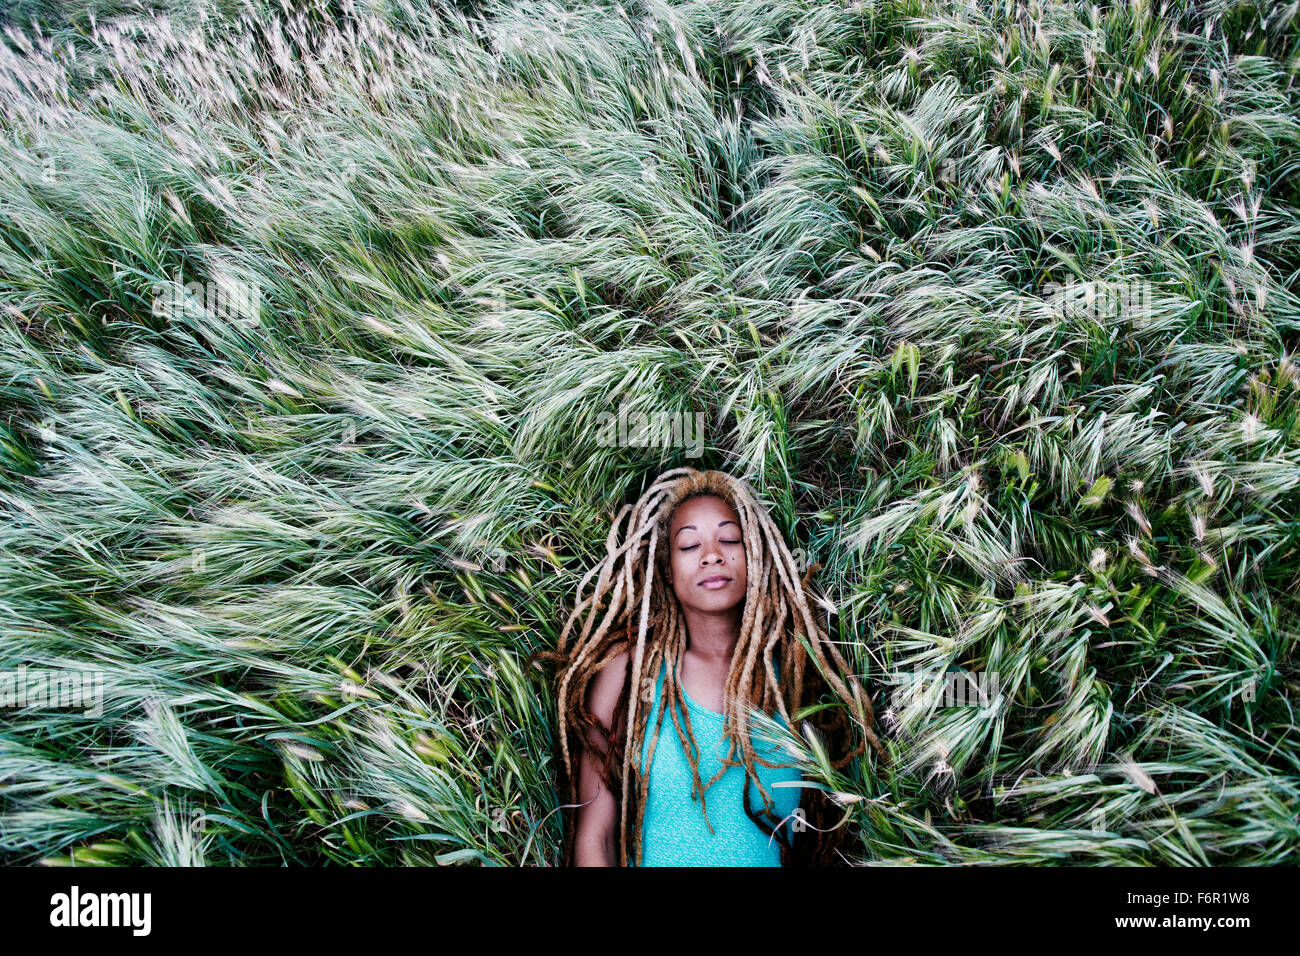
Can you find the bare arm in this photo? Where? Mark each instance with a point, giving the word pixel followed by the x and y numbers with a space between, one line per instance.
pixel 595 840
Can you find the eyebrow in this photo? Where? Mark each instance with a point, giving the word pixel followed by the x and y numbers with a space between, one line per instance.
pixel 693 528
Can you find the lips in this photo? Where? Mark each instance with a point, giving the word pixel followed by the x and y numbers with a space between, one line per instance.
pixel 714 582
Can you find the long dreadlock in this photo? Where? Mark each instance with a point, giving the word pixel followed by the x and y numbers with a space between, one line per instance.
pixel 631 607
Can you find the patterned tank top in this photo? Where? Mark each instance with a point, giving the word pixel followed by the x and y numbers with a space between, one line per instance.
pixel 674 832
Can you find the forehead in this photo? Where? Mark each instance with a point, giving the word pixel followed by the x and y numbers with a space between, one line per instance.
pixel 705 513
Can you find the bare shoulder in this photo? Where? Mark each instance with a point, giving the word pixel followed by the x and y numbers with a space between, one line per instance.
pixel 608 685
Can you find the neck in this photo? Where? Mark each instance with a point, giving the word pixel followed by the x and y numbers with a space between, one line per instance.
pixel 713 636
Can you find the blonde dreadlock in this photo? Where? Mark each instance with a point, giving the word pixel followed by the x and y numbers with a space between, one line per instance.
pixel 630 593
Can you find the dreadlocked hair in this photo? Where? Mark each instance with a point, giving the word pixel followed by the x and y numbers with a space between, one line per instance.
pixel 632 608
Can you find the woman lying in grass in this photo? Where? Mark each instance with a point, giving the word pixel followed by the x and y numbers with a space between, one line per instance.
pixel 698 602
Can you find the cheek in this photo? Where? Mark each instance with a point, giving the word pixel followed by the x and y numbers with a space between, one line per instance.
pixel 740 578
pixel 679 571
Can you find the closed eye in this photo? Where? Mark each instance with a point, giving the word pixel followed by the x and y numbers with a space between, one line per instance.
pixel 692 547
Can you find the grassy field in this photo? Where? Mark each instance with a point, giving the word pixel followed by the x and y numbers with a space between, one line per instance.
pixel 310 318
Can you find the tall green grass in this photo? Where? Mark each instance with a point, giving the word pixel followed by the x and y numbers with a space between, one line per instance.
pixel 309 547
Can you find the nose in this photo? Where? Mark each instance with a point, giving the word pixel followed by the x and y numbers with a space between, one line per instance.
pixel 711 554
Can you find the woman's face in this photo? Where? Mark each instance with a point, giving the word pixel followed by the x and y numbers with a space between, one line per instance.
pixel 707 555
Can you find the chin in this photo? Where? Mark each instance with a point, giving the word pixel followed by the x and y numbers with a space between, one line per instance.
pixel 718 601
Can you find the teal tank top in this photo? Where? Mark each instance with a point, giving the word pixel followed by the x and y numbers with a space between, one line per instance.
pixel 674 832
